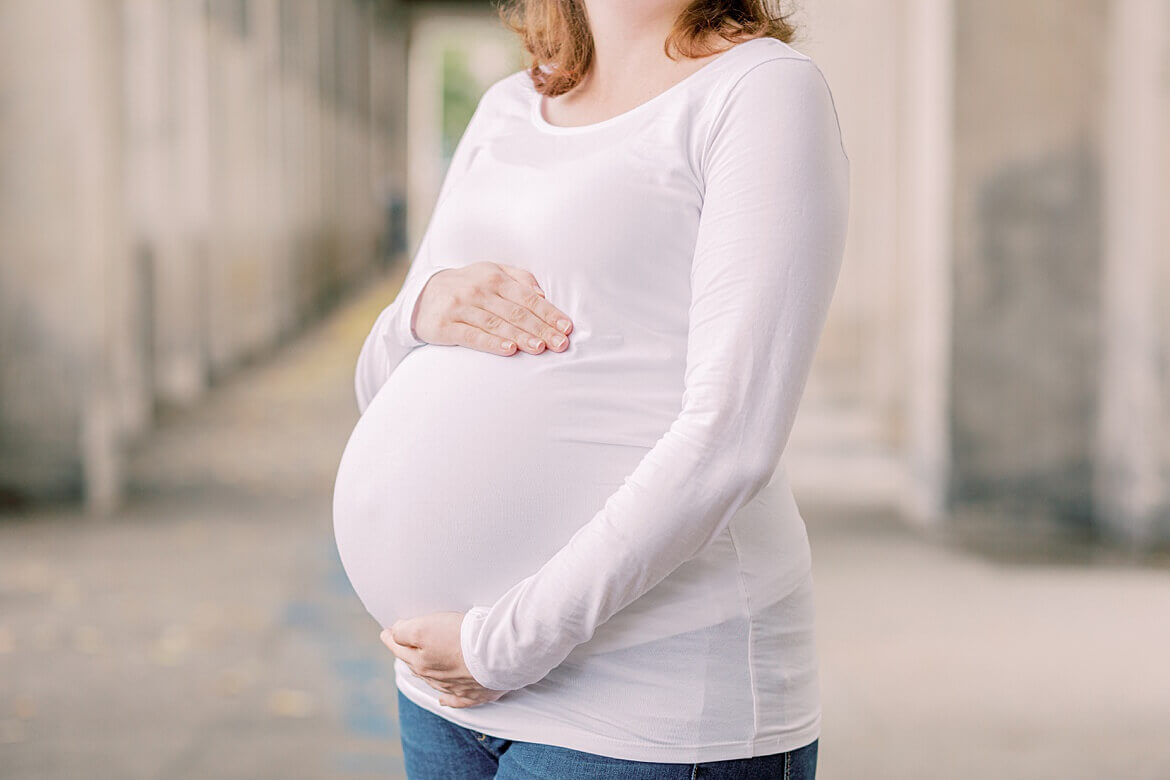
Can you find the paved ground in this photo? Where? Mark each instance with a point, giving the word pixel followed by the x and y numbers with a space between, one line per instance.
pixel 209 632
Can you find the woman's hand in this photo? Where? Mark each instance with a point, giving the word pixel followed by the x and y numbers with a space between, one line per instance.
pixel 489 307
pixel 430 647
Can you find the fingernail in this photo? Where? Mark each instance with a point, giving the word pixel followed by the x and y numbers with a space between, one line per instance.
pixel 559 340
pixel 535 343
pixel 563 325
pixel 540 291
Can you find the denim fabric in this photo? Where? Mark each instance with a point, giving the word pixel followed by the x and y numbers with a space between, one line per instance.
pixel 434 748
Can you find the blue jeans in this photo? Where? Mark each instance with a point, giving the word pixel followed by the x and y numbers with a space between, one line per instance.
pixel 434 748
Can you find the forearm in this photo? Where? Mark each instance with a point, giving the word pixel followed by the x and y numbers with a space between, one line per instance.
pixel 769 248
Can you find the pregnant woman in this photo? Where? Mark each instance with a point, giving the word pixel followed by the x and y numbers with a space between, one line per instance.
pixel 586 554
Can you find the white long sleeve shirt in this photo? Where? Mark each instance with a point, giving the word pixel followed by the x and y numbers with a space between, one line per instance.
pixel 616 519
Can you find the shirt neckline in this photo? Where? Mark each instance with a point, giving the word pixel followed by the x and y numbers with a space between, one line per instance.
pixel 537 101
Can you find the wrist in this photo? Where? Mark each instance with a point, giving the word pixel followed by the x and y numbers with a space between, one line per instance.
pixel 411 299
pixel 468 629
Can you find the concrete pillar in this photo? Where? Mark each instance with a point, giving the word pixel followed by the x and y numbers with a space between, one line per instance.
pixel 1131 467
pixel 71 365
pixel 849 441
pixel 168 195
pixel 926 242
pixel 96 212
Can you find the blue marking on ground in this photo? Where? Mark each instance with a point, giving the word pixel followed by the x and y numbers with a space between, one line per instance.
pixel 301 614
pixel 366 680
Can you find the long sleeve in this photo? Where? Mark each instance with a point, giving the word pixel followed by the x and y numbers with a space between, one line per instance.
pixel 392 335
pixel 768 253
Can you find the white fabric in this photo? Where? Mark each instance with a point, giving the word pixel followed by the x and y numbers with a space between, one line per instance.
pixel 616 519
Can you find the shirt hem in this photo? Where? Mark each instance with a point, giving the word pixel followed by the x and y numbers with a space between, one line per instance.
pixel 543 732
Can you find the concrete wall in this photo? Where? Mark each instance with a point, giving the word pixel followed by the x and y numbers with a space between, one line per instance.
pixel 1059 386
pixel 199 178
pixel 185 184
pixel 999 338
pixel 1027 266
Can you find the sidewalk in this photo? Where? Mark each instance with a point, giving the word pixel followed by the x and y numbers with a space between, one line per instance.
pixel 209 632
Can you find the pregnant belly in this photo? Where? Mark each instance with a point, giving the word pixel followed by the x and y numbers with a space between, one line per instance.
pixel 468 471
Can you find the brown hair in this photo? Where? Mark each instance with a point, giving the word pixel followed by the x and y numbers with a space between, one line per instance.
pixel 556 33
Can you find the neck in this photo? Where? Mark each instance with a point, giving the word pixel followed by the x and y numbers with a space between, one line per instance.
pixel 627 38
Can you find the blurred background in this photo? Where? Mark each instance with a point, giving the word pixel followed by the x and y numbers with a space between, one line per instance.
pixel 205 203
